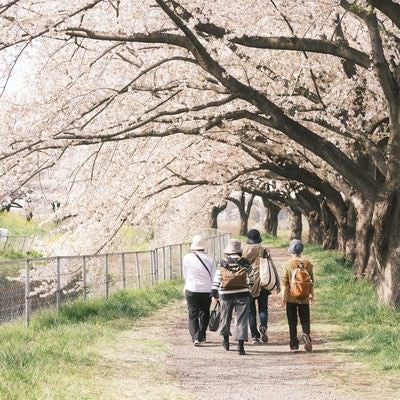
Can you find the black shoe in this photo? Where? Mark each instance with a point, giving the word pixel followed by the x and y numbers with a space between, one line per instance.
pixel 241 348
pixel 225 343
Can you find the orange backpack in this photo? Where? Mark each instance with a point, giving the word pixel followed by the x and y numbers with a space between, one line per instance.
pixel 301 283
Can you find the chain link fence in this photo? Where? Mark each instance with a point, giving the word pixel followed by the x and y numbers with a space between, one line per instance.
pixel 16 243
pixel 30 285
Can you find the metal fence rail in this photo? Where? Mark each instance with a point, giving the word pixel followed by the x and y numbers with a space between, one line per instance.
pixel 30 285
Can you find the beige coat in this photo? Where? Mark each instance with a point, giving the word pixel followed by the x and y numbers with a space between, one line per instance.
pixel 288 269
pixel 253 253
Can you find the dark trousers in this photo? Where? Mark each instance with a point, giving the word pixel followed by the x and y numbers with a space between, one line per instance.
pixel 261 303
pixel 238 304
pixel 198 305
pixel 303 311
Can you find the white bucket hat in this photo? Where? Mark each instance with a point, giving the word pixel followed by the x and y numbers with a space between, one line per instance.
pixel 233 247
pixel 198 243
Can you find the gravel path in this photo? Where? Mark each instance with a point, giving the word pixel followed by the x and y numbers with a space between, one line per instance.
pixel 267 370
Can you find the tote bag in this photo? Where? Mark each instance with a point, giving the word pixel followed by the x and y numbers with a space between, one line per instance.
pixel 268 275
pixel 215 318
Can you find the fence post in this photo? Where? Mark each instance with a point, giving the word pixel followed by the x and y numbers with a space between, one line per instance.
pixel 106 273
pixel 214 247
pixel 153 266
pixel 27 291
pixel 58 292
pixel 137 270
pixel 156 266
pixel 23 243
pixel 123 271
pixel 180 260
pixel 5 243
pixel 171 274
pixel 164 263
pixel 84 277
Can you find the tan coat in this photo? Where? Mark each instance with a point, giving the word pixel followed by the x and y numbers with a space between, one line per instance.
pixel 253 253
pixel 288 269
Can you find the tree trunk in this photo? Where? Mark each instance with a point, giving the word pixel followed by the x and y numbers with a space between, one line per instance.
pixel 315 228
pixel 348 232
pixel 386 223
pixel 244 210
pixel 215 211
pixel 364 209
pixel 296 226
pixel 330 234
pixel 244 223
pixel 271 218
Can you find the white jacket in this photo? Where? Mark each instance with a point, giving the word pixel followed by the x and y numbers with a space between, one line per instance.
pixel 197 279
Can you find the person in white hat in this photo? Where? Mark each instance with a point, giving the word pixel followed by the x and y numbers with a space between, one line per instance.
pixel 231 288
pixel 198 272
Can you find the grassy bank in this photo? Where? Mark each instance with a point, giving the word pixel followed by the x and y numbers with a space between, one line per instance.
pixel 54 357
pixel 361 327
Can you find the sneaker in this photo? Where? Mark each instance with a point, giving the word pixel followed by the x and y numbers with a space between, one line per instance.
pixel 293 349
pixel 307 342
pixel 263 330
pixel 225 344
pixel 196 343
pixel 256 341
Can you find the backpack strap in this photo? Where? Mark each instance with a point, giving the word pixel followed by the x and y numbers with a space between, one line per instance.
pixel 204 265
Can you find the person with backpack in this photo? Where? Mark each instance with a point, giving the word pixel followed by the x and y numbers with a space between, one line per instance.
pixel 298 294
pixel 254 251
pixel 231 287
pixel 198 272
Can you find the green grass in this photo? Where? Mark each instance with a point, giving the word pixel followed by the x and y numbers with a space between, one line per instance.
pixel 54 356
pixel 17 225
pixel 364 328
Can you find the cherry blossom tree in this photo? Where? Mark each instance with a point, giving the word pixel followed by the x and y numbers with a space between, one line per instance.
pixel 312 87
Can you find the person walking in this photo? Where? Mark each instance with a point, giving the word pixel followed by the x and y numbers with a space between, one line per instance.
pixel 231 287
pixel 298 305
pixel 198 273
pixel 253 251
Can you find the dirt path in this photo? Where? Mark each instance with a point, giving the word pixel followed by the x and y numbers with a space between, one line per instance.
pixel 269 369
pixel 156 360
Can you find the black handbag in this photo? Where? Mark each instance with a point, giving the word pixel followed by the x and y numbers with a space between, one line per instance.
pixel 215 318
